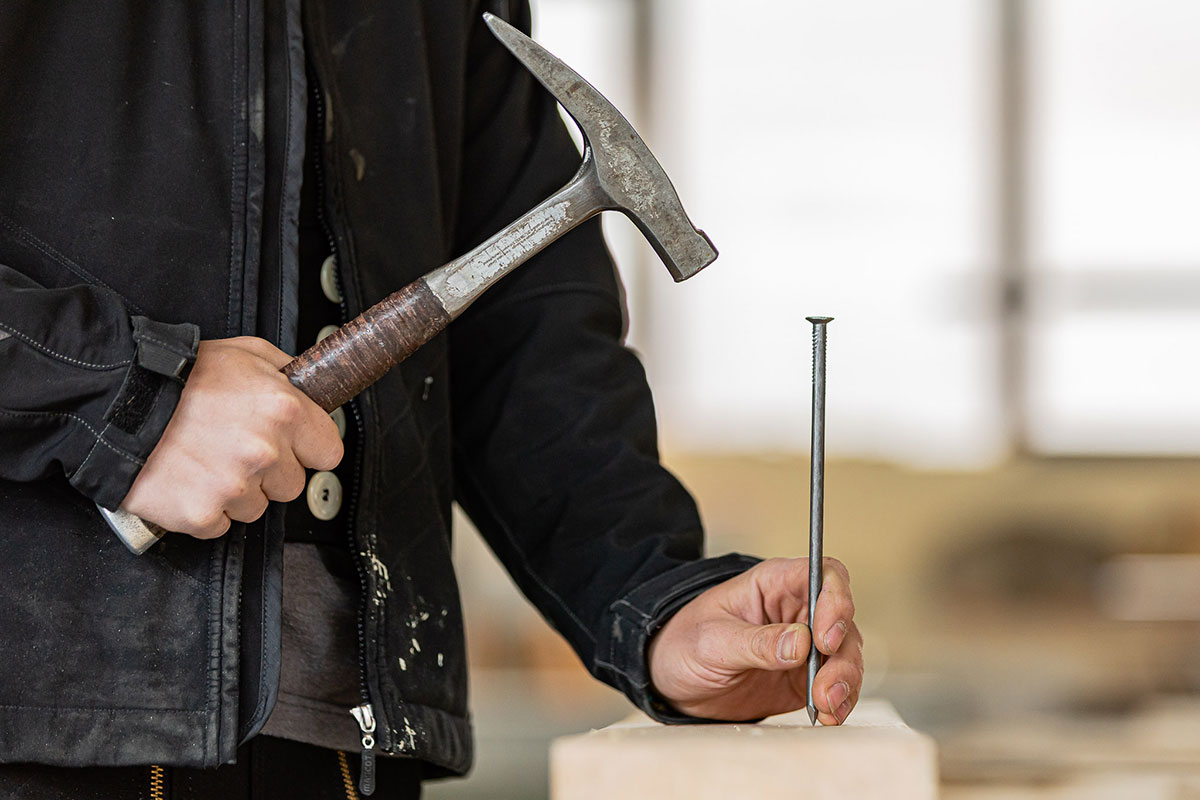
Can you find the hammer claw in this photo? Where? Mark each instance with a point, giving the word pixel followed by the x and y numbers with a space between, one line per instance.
pixel 627 172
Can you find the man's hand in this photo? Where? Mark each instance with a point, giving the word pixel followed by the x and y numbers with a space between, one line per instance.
pixel 240 436
pixel 739 650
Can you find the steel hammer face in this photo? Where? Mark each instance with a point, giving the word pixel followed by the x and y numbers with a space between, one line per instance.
pixel 626 175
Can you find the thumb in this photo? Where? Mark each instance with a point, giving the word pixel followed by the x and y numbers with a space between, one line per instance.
pixel 768 647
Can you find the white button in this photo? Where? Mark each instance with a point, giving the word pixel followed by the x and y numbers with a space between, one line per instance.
pixel 339 419
pixel 324 495
pixel 328 329
pixel 329 280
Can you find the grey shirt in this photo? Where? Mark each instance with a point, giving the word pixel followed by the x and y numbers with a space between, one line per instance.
pixel 319 680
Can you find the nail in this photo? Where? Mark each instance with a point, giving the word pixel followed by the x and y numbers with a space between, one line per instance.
pixel 835 696
pixel 834 637
pixel 789 644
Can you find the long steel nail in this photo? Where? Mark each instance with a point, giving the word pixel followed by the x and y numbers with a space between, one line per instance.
pixel 816 503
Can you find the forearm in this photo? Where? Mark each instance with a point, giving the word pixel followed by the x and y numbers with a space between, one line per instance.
pixel 85 388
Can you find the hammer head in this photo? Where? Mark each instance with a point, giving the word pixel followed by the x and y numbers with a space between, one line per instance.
pixel 628 174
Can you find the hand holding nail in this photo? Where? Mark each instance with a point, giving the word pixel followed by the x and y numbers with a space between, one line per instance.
pixel 738 651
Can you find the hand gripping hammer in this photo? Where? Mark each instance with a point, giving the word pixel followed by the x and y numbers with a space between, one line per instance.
pixel 618 173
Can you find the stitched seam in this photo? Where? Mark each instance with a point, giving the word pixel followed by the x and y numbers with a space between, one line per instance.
pixel 42 348
pixel 623 602
pixel 174 347
pixel 686 587
pixel 420 466
pixel 214 639
pixel 262 640
pixel 233 170
pixel 629 678
pixel 82 422
pixel 287 160
pixel 524 561
pixel 48 251
pixel 88 457
pixel 179 572
pixel 108 709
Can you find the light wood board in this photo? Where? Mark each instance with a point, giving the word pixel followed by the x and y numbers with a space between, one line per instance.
pixel 874 755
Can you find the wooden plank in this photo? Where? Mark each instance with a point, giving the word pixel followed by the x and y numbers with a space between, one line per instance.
pixel 875 755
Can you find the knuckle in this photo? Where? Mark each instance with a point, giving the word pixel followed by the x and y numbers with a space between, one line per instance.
pixel 836 601
pixel 228 488
pixel 765 568
pixel 282 407
pixel 838 567
pixel 851 669
pixel 252 344
pixel 781 567
pixel 259 454
pixel 847 603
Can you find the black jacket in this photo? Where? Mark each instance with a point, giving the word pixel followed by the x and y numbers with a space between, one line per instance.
pixel 150 162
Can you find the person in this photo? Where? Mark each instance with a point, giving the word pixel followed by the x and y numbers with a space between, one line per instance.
pixel 191 194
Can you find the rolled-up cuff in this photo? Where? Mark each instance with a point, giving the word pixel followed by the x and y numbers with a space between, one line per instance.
pixel 633 620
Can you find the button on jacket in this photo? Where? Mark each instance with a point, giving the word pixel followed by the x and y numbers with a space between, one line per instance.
pixel 150 166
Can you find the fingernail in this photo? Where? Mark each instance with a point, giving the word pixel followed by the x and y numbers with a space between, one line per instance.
pixel 789 644
pixel 837 695
pixel 834 636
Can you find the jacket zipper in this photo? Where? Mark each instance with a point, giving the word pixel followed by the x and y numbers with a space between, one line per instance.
pixel 156 782
pixel 364 713
pixel 366 723
pixel 347 781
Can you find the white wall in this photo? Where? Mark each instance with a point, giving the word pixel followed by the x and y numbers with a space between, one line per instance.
pixel 841 157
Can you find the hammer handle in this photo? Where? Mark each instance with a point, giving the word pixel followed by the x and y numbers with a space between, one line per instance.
pixel 334 370
pixel 344 363
pixel 360 352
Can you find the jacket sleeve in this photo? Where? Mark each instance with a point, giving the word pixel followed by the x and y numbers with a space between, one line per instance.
pixel 85 388
pixel 555 457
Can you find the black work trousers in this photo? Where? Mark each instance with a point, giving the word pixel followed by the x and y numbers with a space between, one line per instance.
pixel 267 769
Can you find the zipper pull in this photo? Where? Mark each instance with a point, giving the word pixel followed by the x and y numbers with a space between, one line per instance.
pixel 366 723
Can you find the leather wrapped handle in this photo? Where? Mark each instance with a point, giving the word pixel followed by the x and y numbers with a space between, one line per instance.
pixel 334 370
pixel 360 352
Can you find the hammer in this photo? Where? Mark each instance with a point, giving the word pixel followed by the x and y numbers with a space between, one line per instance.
pixel 618 173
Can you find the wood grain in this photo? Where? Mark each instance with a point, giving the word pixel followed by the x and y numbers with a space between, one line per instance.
pixel 344 363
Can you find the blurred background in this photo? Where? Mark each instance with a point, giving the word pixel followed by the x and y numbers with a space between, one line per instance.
pixel 998 202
